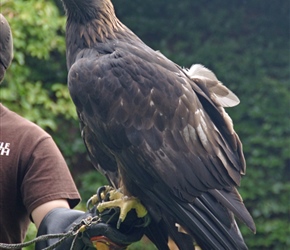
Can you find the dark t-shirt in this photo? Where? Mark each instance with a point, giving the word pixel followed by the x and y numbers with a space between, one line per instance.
pixel 32 172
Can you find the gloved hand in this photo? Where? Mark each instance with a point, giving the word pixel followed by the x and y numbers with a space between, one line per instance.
pixel 97 231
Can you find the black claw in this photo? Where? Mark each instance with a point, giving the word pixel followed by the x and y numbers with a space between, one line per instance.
pixel 89 203
pixel 99 192
pixel 107 197
pixel 119 223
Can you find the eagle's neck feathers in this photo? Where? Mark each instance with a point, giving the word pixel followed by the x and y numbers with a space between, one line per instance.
pixel 89 22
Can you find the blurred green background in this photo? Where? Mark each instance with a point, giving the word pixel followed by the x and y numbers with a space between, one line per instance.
pixel 245 42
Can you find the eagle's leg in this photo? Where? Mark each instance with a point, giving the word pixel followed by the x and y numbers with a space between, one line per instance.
pixel 125 203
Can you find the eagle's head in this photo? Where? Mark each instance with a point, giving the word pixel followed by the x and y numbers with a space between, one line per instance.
pixel 86 10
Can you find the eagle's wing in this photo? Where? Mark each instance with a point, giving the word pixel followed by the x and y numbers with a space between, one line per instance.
pixel 102 160
pixel 142 104
pixel 207 80
pixel 165 131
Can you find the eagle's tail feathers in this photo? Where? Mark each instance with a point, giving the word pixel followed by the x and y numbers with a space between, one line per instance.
pixel 233 201
pixel 212 226
pixel 158 234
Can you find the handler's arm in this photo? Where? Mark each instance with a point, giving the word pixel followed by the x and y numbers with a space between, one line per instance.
pixel 39 213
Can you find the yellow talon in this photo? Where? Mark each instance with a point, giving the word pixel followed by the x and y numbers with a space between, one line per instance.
pixel 100 196
pixel 125 203
pixel 95 199
pixel 133 203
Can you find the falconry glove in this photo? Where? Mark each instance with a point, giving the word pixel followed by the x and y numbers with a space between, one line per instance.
pixel 86 231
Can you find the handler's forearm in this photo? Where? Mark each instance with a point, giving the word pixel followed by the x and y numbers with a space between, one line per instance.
pixel 39 213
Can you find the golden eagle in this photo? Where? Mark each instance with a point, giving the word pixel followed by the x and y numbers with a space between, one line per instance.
pixel 158 130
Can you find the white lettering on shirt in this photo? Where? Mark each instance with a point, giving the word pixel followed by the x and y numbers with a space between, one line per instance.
pixel 4 148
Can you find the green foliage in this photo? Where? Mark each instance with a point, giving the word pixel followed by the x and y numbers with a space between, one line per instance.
pixel 31 234
pixel 89 182
pixel 34 83
pixel 246 43
pixel 143 244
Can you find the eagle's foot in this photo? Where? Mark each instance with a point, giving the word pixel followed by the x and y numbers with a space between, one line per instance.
pixel 101 195
pixel 125 203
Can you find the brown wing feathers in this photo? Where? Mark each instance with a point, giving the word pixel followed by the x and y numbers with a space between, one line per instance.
pixel 164 125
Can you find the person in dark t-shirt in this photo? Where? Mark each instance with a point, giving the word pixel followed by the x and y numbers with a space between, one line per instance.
pixel 34 177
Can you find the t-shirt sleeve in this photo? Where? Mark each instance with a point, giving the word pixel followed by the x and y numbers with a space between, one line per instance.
pixel 47 177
